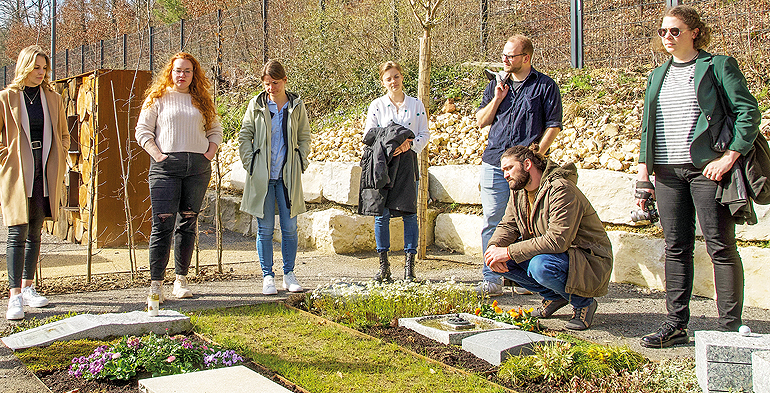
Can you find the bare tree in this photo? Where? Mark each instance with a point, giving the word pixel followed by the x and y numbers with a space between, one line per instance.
pixel 427 21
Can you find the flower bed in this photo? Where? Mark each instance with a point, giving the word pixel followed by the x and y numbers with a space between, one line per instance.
pixel 154 354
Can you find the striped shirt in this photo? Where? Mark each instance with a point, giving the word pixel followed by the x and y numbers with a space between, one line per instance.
pixel 676 115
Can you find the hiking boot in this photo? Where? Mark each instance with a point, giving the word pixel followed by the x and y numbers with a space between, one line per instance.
pixel 489 288
pixel 549 307
pixel 409 267
pixel 268 285
pixel 180 288
pixel 156 287
pixel 668 335
pixel 15 308
pixel 582 317
pixel 32 298
pixel 384 273
pixel 290 283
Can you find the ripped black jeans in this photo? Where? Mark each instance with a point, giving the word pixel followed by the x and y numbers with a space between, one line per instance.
pixel 177 187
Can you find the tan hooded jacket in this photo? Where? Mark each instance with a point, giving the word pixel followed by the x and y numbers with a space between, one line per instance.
pixel 562 220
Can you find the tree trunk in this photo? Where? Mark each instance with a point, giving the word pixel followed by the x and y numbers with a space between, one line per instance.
pixel 423 93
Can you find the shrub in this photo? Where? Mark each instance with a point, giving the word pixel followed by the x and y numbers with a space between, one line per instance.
pixel 562 361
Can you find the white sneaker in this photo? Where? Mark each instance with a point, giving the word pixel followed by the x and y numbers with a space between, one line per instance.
pixel 268 286
pixel 489 288
pixel 32 298
pixel 290 282
pixel 15 308
pixel 156 287
pixel 181 290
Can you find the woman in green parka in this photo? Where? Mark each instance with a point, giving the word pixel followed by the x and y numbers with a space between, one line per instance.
pixel 681 104
pixel 274 146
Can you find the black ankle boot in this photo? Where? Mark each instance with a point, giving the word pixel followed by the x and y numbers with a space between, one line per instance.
pixel 384 273
pixel 409 267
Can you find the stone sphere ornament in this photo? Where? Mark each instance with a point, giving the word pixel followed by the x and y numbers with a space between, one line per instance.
pixel 744 330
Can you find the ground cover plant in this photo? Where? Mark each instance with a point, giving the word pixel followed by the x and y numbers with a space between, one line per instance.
pixel 362 305
pixel 326 357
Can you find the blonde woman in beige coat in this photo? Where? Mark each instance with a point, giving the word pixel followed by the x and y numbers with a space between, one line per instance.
pixel 33 147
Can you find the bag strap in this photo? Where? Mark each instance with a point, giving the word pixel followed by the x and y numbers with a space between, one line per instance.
pixel 721 94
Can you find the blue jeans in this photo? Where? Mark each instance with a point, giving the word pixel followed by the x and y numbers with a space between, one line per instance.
pixel 382 232
pixel 547 275
pixel 494 198
pixel 277 195
pixel 177 187
pixel 683 193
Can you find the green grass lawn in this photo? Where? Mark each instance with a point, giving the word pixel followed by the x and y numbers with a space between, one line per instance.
pixel 324 357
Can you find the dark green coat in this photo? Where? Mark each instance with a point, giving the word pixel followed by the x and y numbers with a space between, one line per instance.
pixel 739 101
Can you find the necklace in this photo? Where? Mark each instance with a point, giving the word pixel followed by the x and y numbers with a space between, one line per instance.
pixel 31 100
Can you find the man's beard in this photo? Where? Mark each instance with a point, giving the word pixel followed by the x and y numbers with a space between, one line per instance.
pixel 519 182
pixel 512 70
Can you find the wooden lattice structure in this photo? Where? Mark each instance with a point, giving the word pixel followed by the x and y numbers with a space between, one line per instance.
pixel 102 148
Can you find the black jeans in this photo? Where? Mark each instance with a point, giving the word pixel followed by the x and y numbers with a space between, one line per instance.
pixel 683 192
pixel 177 187
pixel 23 245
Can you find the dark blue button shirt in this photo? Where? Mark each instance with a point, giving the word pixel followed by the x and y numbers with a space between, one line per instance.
pixel 523 115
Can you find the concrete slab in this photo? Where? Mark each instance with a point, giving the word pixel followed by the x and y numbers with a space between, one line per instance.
pixel 100 326
pixel 237 379
pixel 498 345
pixel 723 359
pixel 760 371
pixel 453 337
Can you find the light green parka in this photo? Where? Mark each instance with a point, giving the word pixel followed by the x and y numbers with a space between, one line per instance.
pixel 254 147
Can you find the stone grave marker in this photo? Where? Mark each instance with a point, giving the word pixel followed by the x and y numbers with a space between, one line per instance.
pixel 100 326
pixel 723 359
pixel 237 379
pixel 497 345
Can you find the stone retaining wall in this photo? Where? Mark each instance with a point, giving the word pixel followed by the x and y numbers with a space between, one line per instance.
pixel 638 259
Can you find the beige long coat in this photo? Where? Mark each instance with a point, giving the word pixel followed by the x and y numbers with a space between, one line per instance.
pixel 16 160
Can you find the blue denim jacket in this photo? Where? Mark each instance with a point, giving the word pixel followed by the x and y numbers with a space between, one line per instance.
pixel 523 115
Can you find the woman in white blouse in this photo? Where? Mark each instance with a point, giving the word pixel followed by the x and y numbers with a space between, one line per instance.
pixel 399 108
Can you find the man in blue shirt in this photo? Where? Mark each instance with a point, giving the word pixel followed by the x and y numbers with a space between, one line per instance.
pixel 523 109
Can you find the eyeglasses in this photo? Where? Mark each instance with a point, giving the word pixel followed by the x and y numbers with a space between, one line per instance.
pixel 511 57
pixel 674 32
pixel 180 72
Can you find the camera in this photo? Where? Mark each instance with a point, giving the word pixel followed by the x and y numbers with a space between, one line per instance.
pixel 648 212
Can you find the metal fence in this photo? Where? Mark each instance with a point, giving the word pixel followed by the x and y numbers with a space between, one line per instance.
pixel 596 33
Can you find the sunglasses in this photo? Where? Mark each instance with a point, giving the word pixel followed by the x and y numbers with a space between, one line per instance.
pixel 674 32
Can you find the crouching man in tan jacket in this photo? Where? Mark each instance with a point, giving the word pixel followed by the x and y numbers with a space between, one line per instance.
pixel 551 240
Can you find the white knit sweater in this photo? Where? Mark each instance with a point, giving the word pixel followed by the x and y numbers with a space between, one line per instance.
pixel 176 125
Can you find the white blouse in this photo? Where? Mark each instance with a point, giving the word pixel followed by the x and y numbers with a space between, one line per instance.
pixel 411 115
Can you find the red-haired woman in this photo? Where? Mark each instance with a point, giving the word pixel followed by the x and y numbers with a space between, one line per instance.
pixel 178 128
pixel 33 149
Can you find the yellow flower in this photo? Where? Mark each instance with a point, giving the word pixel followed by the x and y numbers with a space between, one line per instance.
pixel 530 310
pixel 494 303
pixel 478 311
pixel 498 310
